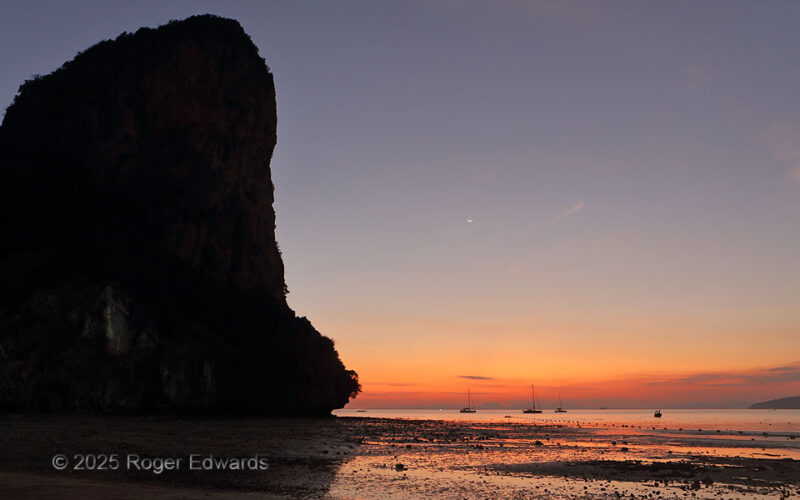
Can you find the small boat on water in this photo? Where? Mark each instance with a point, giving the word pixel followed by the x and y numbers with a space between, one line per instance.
pixel 532 409
pixel 469 408
pixel 657 414
pixel 361 411
pixel 560 408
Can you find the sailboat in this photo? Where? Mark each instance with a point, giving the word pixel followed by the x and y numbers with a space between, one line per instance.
pixel 532 409
pixel 469 408
pixel 560 408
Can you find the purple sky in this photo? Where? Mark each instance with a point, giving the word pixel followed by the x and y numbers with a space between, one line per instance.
pixel 632 169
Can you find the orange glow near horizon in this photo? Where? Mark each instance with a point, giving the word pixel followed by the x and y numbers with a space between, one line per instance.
pixel 407 365
pixel 701 390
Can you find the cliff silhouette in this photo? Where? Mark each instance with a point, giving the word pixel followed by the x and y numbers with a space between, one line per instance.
pixel 139 262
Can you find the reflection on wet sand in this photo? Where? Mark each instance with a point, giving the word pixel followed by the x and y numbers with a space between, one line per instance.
pixel 525 459
pixel 348 457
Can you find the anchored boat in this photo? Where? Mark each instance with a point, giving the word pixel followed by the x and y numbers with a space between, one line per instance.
pixel 469 408
pixel 532 409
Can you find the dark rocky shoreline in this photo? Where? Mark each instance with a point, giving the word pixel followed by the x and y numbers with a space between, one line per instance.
pixel 380 458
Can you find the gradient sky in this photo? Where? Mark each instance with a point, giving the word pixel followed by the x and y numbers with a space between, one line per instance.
pixel 632 169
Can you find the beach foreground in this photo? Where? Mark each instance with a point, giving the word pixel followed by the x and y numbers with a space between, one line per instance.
pixel 348 457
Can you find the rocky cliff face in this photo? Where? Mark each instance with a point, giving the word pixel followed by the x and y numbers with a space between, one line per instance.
pixel 140 268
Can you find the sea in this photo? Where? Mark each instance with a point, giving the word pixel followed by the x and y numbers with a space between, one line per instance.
pixel 777 423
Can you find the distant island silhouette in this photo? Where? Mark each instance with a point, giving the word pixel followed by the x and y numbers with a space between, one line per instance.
pixel 790 403
pixel 140 268
pixel 490 405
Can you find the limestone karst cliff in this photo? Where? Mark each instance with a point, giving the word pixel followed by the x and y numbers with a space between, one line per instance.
pixel 139 264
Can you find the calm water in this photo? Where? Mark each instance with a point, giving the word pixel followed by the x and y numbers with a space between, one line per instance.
pixel 780 422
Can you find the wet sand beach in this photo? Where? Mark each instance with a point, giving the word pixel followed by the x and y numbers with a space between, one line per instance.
pixel 348 457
